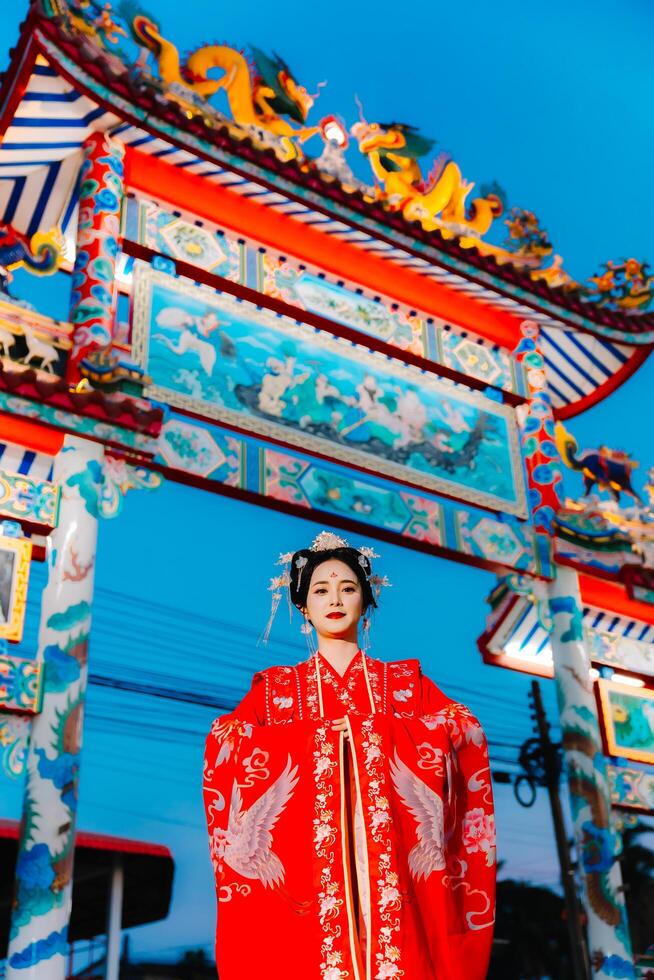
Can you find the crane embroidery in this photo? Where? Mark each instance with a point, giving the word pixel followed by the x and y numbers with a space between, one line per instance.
pixel 248 839
pixel 427 808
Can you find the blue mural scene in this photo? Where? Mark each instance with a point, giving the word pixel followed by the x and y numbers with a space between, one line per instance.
pixel 629 721
pixel 225 359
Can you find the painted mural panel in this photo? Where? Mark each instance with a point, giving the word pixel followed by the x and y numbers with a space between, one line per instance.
pixel 205 450
pixel 20 683
pixel 631 788
pixel 224 254
pixel 628 715
pixel 179 238
pixel 291 479
pixel 15 555
pixel 210 453
pixel 621 652
pixel 465 353
pixel 222 358
pixel 346 306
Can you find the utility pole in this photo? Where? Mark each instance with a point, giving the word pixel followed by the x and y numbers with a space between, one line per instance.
pixel 541 760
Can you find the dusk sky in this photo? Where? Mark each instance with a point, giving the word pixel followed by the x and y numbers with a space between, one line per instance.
pixel 554 106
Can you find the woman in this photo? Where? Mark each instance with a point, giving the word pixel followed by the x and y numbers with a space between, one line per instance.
pixel 349 805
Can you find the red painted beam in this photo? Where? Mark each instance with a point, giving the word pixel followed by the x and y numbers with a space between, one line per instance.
pixel 32 435
pixel 613 597
pixel 189 192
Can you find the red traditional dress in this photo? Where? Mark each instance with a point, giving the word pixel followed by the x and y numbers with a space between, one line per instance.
pixel 364 857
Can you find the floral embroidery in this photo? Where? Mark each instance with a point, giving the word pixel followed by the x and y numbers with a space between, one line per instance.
pixel 479 834
pixel 389 900
pixel 344 688
pixel 330 902
pixel 375 670
pixel 312 700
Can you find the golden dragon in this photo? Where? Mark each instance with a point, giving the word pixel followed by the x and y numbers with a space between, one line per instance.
pixel 259 101
pixel 438 203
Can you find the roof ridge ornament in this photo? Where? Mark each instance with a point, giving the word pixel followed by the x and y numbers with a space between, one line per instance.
pixel 270 108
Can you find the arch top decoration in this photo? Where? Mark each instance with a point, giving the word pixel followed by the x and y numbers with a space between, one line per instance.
pixel 124 79
pixel 297 313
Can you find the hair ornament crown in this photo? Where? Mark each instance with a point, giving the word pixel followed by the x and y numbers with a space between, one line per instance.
pixel 325 541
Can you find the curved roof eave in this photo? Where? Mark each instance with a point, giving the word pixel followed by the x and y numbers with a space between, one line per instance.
pixel 164 118
pixel 608 360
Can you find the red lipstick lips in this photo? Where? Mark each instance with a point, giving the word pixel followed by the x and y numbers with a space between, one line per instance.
pixel 335 615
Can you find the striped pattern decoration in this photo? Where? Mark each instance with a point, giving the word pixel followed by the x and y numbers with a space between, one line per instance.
pixel 40 152
pixel 608 622
pixel 578 363
pixel 528 639
pixel 26 462
pixel 522 636
pixel 39 161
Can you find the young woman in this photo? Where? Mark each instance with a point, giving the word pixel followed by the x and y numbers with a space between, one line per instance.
pixel 349 805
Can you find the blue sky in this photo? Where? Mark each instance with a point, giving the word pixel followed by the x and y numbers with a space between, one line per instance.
pixel 551 102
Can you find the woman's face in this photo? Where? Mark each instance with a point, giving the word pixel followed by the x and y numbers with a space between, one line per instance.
pixel 335 600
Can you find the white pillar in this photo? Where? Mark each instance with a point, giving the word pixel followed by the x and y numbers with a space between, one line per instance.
pixel 44 872
pixel 590 798
pixel 114 918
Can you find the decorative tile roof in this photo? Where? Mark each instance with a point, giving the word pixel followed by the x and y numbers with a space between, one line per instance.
pixel 51 105
pixel 185 124
pixel 130 413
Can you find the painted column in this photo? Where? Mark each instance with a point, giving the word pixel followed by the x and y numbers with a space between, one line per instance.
pixel 39 925
pixel 590 797
pixel 93 297
pixel 537 434
pixel 608 932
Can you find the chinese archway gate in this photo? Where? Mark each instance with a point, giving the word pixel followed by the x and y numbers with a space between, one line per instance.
pixel 379 352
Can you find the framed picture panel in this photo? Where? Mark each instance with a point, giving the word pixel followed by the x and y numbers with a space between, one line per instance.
pixel 221 358
pixel 15 555
pixel 628 719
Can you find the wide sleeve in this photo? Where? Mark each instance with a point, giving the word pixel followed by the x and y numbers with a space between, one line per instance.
pixel 271 795
pixel 471 851
pixel 442 830
pixel 471 856
pixel 221 753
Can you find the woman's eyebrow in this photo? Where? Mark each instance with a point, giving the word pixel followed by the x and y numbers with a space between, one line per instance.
pixel 345 581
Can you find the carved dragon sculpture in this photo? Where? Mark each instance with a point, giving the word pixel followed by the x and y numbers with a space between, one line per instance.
pixel 439 202
pixel 260 98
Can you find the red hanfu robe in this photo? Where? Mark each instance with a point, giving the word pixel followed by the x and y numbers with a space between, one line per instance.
pixel 364 857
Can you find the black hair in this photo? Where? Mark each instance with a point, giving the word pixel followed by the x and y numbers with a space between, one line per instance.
pixel 305 561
